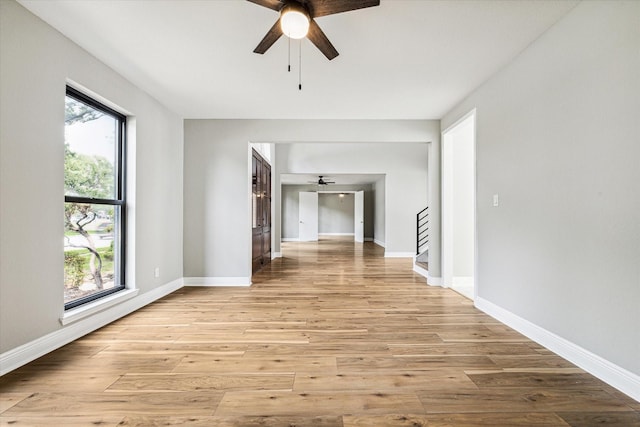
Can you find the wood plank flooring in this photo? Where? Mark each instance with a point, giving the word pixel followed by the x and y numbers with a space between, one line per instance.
pixel 333 334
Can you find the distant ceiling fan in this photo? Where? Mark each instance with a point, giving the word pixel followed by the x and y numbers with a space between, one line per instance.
pixel 297 20
pixel 321 181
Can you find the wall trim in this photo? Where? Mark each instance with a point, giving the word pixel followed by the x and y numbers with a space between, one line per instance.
pixel 217 281
pixel 290 239
pixel 30 351
pixel 421 271
pixel 623 380
pixel 379 242
pixel 91 308
pixel 336 234
pixel 275 255
pixel 388 254
pixel 368 239
pixel 433 280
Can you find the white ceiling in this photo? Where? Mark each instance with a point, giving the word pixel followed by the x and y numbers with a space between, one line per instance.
pixel 339 179
pixel 406 59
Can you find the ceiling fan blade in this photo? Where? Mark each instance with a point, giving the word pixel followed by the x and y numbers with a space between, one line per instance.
pixel 331 7
pixel 269 4
pixel 321 41
pixel 272 36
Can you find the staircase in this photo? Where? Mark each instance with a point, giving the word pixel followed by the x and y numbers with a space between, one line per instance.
pixel 422 239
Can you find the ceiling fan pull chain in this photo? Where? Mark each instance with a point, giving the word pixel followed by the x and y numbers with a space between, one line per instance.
pixel 289 59
pixel 300 67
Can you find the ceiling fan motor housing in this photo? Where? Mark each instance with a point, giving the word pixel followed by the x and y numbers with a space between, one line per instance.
pixel 310 9
pixel 294 20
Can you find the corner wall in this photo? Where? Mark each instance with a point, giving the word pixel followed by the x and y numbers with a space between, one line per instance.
pixel 379 218
pixel 36 63
pixel 557 139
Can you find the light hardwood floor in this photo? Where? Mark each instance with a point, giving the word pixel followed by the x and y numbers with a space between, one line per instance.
pixel 333 334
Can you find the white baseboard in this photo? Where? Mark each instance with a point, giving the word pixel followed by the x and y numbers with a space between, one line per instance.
pixel 379 242
pixel 625 381
pixel 421 271
pixel 25 353
pixel 366 239
pixel 388 254
pixel 275 255
pixel 217 281
pixel 433 280
pixel 464 290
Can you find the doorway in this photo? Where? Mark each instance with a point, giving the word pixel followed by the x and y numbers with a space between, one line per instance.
pixel 310 220
pixel 458 206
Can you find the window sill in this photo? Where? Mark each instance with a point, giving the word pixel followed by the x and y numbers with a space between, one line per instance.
pixel 94 307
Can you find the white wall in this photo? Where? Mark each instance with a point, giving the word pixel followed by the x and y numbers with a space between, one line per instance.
pixel 217 234
pixel 36 63
pixel 335 213
pixel 463 199
pixel 558 140
pixel 404 166
pixel 435 213
pixel 289 217
pixel 379 203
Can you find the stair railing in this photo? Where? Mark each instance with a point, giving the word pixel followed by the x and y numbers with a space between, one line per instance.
pixel 422 227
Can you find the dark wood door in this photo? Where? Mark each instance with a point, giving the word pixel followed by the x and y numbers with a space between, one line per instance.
pixel 261 211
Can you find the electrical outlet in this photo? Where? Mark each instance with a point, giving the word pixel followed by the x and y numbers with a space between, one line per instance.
pixel 496 200
pixel 156 272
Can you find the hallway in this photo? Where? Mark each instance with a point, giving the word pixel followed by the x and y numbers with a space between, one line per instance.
pixel 332 334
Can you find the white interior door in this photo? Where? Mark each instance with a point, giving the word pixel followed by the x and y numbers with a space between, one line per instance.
pixel 358 216
pixel 308 216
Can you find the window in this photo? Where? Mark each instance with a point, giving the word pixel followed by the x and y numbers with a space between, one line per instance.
pixel 94 202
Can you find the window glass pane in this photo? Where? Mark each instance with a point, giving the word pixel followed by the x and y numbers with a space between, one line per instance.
pixel 90 151
pixel 90 250
pixel 94 200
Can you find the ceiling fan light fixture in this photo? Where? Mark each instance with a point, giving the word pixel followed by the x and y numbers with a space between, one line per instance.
pixel 294 21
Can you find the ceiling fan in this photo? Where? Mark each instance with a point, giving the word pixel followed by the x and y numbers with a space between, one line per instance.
pixel 297 20
pixel 321 181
